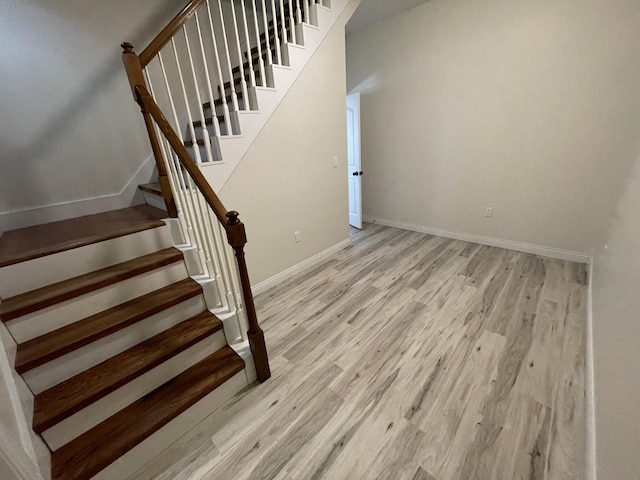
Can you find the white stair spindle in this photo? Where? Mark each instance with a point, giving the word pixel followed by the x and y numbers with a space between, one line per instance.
pixel 245 24
pixel 305 6
pixel 202 209
pixel 185 99
pixel 283 25
pixel 243 81
pixel 216 124
pixel 232 85
pixel 258 45
pixel 177 193
pixel 267 37
pixel 276 33
pixel 298 12
pixel 292 22
pixel 195 233
pixel 203 122
pixel 225 105
pixel 221 244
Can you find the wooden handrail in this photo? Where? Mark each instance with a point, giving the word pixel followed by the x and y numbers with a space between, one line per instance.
pixel 168 32
pixel 149 105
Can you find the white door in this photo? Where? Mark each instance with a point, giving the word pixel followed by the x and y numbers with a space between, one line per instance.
pixel 354 161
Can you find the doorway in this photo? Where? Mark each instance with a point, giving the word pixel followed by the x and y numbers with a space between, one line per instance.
pixel 354 160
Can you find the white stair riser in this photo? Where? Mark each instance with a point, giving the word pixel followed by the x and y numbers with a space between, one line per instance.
pixel 43 271
pixel 126 466
pixel 66 366
pixel 154 200
pixel 65 313
pixel 109 405
pixel 191 259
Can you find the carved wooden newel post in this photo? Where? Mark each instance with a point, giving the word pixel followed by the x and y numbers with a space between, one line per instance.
pixel 237 239
pixel 136 78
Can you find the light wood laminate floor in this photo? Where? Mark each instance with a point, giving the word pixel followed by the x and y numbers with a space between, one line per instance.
pixel 408 356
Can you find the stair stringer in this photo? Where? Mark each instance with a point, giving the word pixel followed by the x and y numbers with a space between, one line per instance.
pixel 233 148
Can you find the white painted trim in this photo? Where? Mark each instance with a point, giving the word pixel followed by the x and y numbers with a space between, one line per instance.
pixel 129 195
pixel 300 267
pixel 490 241
pixel 590 412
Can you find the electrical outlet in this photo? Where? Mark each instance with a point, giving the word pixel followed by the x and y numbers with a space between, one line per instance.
pixel 335 162
pixel 297 237
pixel 488 212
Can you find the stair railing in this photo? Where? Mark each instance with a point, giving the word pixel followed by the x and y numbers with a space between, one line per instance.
pixel 203 68
pixel 205 212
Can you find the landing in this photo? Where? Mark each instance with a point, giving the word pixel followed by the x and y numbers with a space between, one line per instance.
pixel 33 242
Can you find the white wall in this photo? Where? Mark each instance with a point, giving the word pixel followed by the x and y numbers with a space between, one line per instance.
pixel 616 316
pixel 528 107
pixel 69 129
pixel 286 182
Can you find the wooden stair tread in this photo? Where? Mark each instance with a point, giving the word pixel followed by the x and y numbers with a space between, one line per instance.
pixel 33 242
pixel 95 449
pixel 35 300
pixel 45 348
pixel 153 188
pixel 72 395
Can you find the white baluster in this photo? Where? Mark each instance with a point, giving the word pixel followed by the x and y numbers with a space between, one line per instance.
pixel 177 192
pixel 234 95
pixel 212 99
pixel 298 12
pixel 258 45
pixel 305 6
pixel 203 121
pixel 292 23
pixel 245 23
pixel 276 34
pixel 243 81
pixel 283 24
pixel 221 245
pixel 267 37
pixel 225 105
pixel 209 242
pixel 194 227
pixel 185 98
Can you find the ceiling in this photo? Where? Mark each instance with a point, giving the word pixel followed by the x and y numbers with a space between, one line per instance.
pixel 371 11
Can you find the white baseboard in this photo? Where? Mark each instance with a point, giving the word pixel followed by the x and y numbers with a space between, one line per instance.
pixel 490 241
pixel 590 410
pixel 300 267
pixel 129 196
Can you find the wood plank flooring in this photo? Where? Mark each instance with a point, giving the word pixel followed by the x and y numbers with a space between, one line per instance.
pixel 408 356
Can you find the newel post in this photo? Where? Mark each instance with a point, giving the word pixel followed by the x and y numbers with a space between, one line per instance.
pixel 136 77
pixel 237 238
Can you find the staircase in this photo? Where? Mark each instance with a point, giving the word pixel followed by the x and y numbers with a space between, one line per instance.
pixel 114 338
pixel 131 326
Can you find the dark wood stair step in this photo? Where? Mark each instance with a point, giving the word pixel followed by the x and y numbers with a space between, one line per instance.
pixel 35 300
pixel 52 345
pixel 33 242
pixel 153 188
pixel 95 449
pixel 72 395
